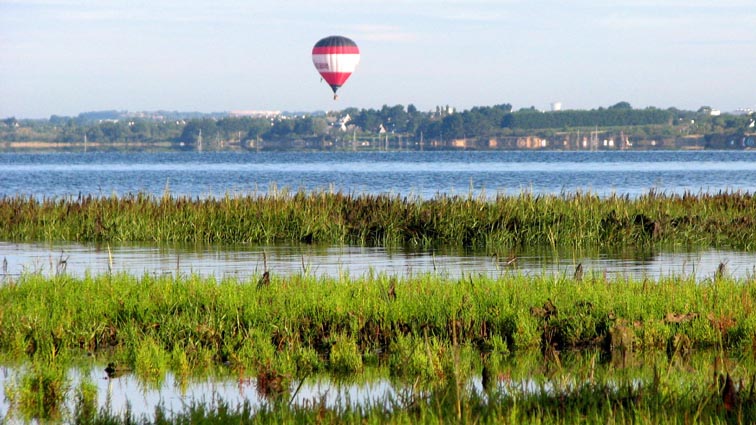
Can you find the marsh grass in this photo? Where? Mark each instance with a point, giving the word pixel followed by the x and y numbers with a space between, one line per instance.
pixel 153 324
pixel 434 334
pixel 578 220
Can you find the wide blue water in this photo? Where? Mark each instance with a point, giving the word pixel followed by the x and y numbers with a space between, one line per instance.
pixel 423 174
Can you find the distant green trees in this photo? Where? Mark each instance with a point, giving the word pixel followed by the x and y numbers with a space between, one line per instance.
pixel 611 117
pixel 239 129
pixel 444 124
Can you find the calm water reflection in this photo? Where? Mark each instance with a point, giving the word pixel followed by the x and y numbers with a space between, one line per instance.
pixel 244 262
pixel 525 373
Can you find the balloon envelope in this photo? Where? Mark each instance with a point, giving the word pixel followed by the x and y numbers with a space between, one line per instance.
pixel 335 58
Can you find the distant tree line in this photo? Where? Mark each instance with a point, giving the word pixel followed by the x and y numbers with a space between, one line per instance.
pixel 112 127
pixel 611 117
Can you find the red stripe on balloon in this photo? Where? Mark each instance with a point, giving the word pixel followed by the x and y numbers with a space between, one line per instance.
pixel 335 78
pixel 336 50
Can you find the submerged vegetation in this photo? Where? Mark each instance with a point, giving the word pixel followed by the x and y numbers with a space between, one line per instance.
pixel 498 224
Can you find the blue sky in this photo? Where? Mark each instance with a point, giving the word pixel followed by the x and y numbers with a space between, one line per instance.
pixel 68 56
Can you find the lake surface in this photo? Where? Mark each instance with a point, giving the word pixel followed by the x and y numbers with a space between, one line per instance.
pixel 248 262
pixel 423 174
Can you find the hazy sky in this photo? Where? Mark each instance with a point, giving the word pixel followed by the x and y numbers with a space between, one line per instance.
pixel 68 56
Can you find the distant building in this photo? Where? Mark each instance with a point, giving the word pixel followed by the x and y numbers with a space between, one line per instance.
pixel 343 122
pixel 459 143
pixel 255 114
pixel 531 142
pixel 556 106
pixel 743 111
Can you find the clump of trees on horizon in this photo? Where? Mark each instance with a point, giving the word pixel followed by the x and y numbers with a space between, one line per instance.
pixel 442 124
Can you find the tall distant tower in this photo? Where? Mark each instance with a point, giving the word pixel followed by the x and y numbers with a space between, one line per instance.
pixel 556 106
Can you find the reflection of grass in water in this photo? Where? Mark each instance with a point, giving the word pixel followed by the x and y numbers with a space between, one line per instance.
pixel 589 391
pixel 576 220
pixel 40 392
pixel 586 386
pixel 86 401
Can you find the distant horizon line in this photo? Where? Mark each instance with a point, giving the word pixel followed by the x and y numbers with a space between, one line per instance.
pixel 268 113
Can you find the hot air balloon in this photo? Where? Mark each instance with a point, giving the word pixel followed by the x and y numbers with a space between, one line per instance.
pixel 335 58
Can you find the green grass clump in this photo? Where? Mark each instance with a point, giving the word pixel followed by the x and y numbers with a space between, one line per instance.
pixel 345 357
pixel 578 220
pixel 150 359
pixel 416 357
